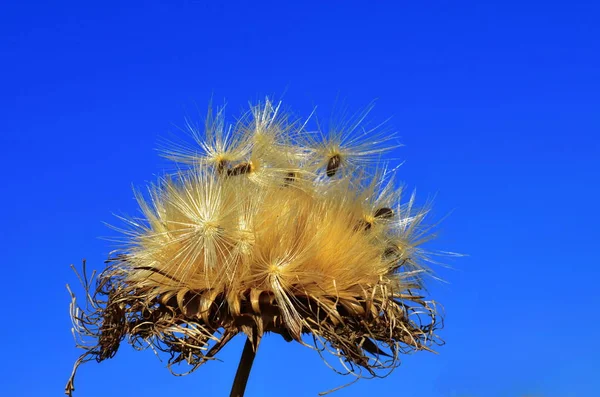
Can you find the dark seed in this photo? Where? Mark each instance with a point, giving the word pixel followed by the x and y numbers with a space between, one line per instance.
pixel 333 164
pixel 384 212
pixel 363 225
pixel 290 178
pixel 242 168
pixel 221 166
pixel 392 250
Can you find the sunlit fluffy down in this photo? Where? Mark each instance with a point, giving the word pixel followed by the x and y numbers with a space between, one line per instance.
pixel 269 228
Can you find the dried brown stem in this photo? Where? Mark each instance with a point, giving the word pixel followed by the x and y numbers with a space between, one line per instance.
pixel 243 371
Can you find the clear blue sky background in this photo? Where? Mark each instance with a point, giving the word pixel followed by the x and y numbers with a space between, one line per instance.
pixel 497 102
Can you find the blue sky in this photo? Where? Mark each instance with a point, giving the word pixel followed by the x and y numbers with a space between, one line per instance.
pixel 497 103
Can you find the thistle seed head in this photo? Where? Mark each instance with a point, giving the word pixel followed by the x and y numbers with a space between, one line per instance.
pixel 258 236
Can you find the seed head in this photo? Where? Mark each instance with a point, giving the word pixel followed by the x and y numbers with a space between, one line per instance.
pixel 257 236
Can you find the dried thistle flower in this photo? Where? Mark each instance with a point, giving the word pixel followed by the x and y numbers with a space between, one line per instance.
pixel 269 230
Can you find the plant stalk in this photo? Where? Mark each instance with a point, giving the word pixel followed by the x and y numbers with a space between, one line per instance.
pixel 243 372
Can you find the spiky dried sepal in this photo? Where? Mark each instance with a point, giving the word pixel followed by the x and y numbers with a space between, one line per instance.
pixel 270 244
